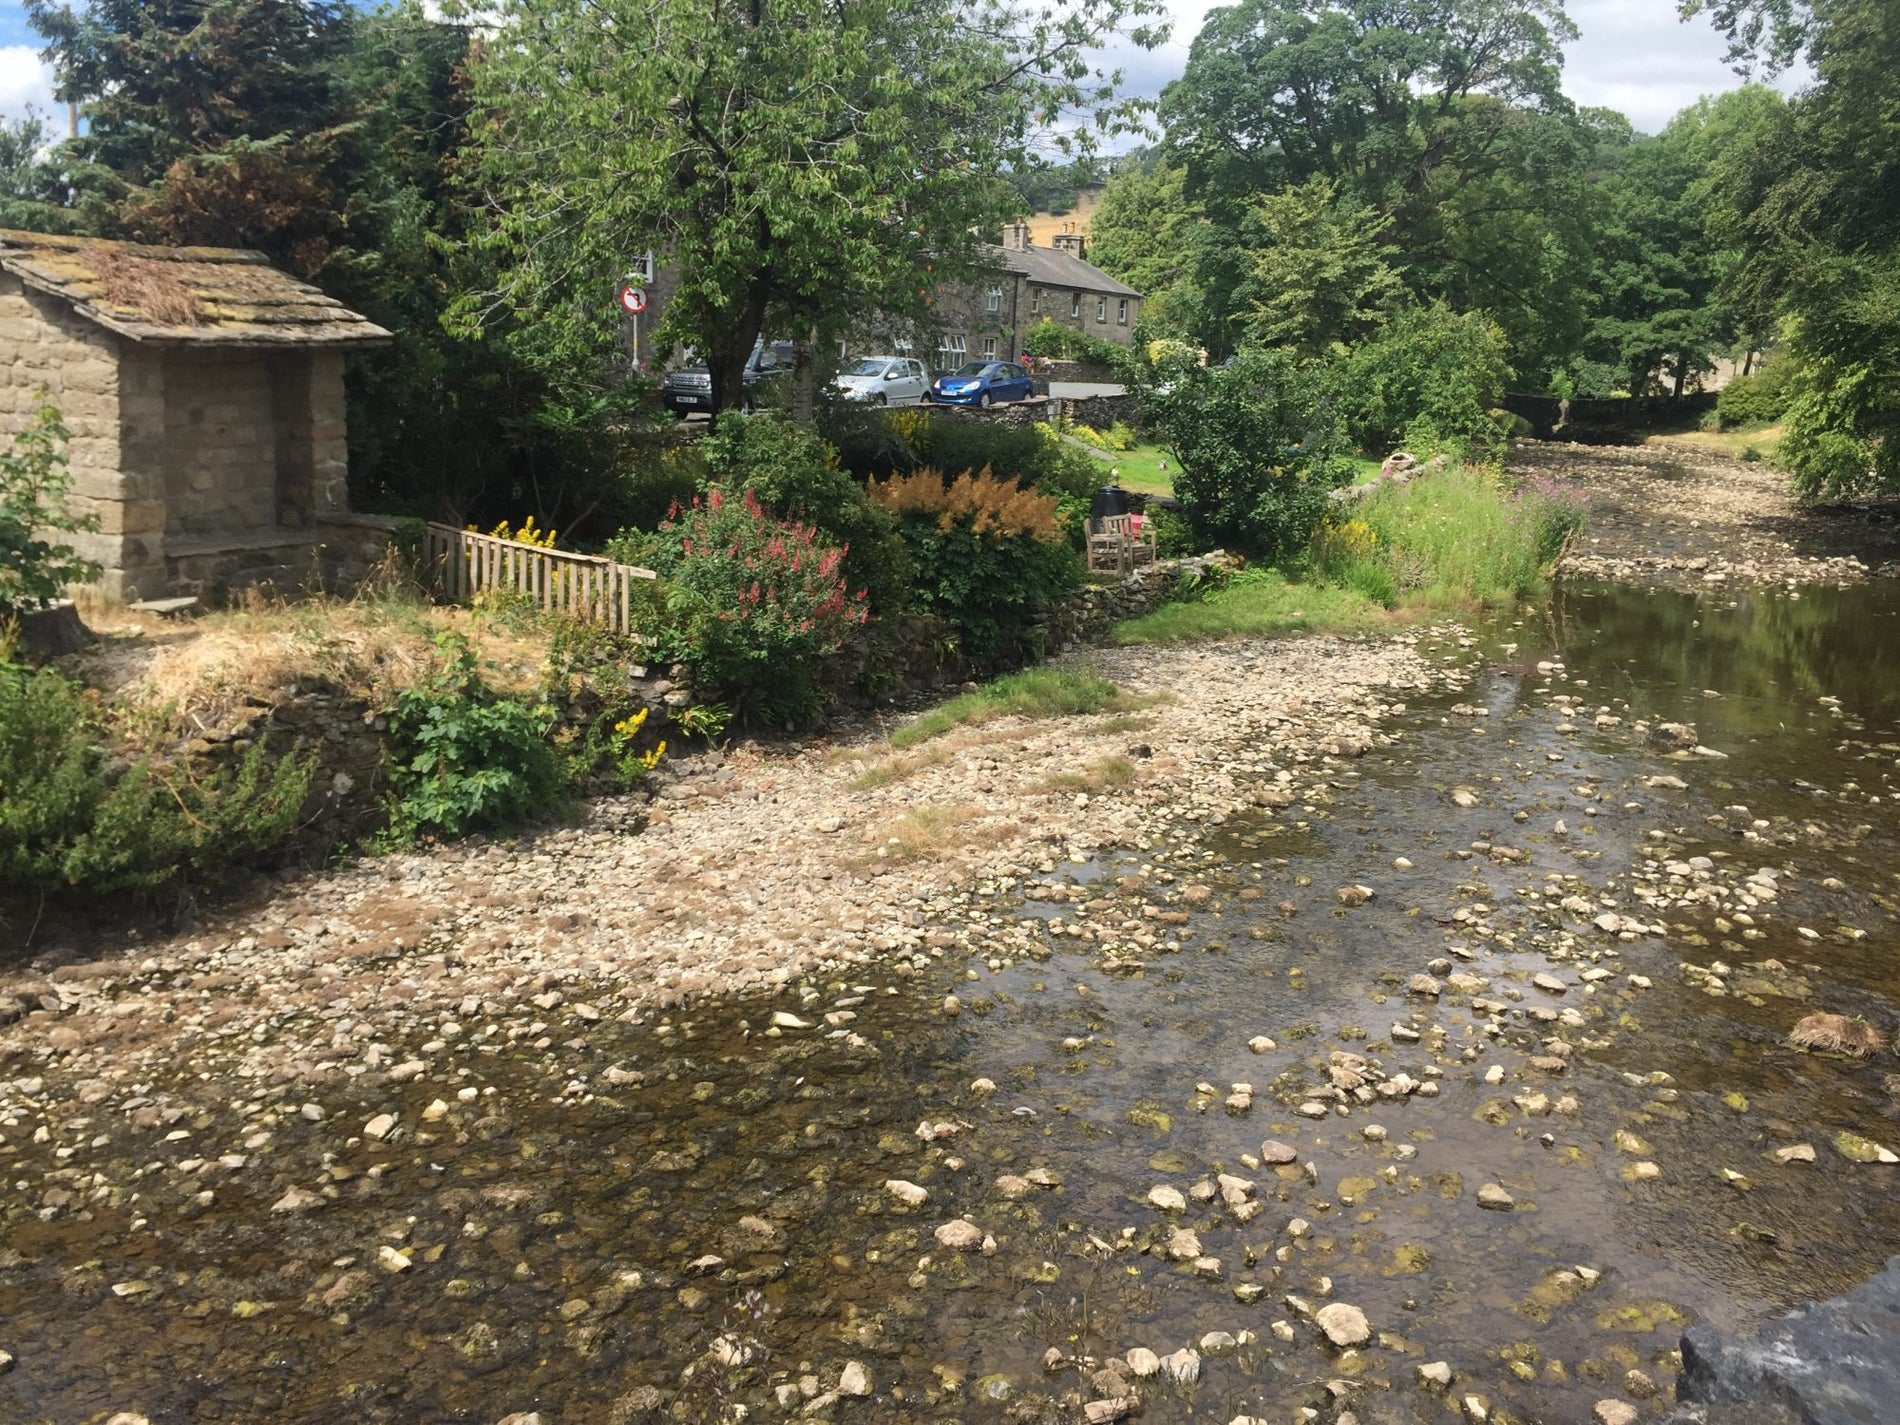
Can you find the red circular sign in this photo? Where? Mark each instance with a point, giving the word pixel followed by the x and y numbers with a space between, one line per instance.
pixel 633 300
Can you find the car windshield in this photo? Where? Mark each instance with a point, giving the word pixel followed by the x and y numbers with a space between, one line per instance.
pixel 867 367
pixel 972 368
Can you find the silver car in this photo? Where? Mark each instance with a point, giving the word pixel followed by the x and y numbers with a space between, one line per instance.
pixel 883 381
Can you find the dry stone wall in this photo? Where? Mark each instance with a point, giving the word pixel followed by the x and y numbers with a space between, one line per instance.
pixel 48 351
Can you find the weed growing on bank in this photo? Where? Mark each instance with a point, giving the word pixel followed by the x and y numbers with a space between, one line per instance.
pixel 1032 693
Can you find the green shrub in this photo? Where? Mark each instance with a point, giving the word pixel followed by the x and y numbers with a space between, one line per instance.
pixel 33 487
pixel 1054 341
pixel 1117 437
pixel 1174 536
pixel 796 476
pixel 656 480
pixel 466 759
pixel 1428 381
pixel 70 820
pixel 1759 399
pixel 1028 455
pixel 754 604
pixel 990 556
pixel 1259 446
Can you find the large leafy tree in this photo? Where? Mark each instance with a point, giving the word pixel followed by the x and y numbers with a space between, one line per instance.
pixel 1441 121
pixel 1146 232
pixel 1817 205
pixel 799 162
pixel 329 138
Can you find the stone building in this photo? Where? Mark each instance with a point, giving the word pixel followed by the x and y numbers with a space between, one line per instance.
pixel 204 392
pixel 992 317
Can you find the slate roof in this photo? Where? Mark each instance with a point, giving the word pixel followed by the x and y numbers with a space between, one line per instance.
pixel 190 296
pixel 1051 267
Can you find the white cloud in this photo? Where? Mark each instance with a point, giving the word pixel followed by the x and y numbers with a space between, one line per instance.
pixel 25 79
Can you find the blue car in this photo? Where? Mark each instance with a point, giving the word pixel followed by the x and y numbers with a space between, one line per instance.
pixel 981 383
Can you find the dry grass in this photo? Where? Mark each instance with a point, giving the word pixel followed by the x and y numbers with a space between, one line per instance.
pixel 179 677
pixel 1837 1034
pixel 1102 775
pixel 924 833
pixel 154 290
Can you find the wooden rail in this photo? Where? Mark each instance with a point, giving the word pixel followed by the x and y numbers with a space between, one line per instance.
pixel 462 564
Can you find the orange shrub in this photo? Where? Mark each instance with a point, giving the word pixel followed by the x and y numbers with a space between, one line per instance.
pixel 997 508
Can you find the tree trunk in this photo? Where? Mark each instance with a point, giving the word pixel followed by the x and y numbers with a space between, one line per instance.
pixel 726 360
pixel 1682 373
pixel 805 378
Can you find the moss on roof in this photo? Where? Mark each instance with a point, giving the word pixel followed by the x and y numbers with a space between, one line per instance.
pixel 199 296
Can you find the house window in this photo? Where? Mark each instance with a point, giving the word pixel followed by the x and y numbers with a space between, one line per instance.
pixel 1101 309
pixel 1121 311
pixel 1075 304
pixel 1035 299
pixel 901 346
pixel 994 301
pixel 949 353
pixel 989 346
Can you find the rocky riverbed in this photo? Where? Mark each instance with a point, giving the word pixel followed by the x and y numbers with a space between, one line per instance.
pixel 1390 1030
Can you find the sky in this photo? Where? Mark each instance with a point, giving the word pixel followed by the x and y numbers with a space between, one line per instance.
pixel 1633 55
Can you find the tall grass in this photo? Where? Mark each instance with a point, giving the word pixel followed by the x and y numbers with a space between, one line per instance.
pixel 1450 539
pixel 1459 536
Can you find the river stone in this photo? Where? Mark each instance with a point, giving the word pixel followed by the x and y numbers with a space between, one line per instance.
pixel 380 1127
pixel 1344 1325
pixel 854 1379
pixel 1183 1366
pixel 1435 1373
pixel 1857 1149
pixel 962 1235
pixel 1183 1245
pixel 1143 1362
pixel 1549 984
pixel 296 1199
pixel 1836 1363
pixel 1168 1199
pixel 1495 1197
pixel 907 1192
pixel 1614 1412
pixel 1274 1151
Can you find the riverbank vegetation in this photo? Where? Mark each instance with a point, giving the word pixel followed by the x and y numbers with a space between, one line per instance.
pixel 1449 540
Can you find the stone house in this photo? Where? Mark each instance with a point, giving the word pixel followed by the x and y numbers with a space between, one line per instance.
pixel 203 389
pixel 1031 284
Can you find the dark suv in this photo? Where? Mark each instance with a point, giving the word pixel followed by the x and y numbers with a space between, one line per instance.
pixel 689 389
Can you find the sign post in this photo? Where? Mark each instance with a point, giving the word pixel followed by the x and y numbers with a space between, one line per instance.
pixel 633 301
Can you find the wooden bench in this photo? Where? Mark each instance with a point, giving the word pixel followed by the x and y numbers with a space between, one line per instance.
pixel 1120 544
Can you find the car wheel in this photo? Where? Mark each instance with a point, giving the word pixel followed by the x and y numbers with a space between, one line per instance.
pixel 988 399
pixel 879 399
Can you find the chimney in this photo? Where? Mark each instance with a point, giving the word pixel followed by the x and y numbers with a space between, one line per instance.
pixel 1016 236
pixel 1071 241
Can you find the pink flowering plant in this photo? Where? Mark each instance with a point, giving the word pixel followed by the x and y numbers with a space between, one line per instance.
pixel 754 604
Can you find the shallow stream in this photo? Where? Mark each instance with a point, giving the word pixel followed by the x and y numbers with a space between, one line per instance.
pixel 700 1227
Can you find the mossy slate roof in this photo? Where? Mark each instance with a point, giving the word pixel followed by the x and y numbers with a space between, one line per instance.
pixel 193 296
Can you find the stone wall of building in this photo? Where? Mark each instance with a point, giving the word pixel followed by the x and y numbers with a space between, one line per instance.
pixel 45 348
pixel 220 442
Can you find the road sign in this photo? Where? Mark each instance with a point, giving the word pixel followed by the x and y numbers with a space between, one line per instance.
pixel 633 300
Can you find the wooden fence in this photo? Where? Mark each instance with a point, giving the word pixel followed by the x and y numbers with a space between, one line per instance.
pixel 462 564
